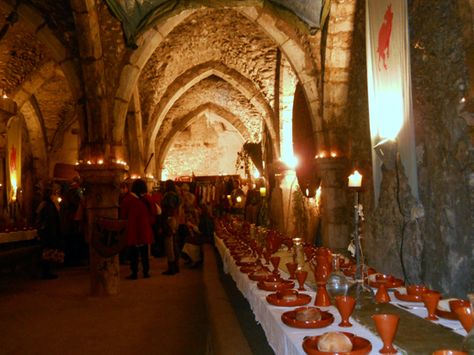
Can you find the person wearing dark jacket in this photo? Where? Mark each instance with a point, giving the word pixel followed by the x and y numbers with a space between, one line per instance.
pixel 49 227
pixel 170 205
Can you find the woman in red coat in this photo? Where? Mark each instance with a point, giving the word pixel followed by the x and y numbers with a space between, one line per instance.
pixel 138 209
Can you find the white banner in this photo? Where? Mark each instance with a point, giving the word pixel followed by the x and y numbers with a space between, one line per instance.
pixel 389 84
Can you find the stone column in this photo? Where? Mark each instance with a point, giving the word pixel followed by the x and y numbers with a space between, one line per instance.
pixel 101 184
pixel 334 202
pixel 8 109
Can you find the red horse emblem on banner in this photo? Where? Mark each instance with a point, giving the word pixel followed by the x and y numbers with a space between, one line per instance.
pixel 385 32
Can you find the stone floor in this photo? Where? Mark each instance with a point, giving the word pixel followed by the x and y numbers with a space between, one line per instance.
pixel 159 315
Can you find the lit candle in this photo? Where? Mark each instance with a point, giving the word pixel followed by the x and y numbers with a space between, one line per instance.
pixel 101 161
pixel 239 199
pixel 355 180
pixel 263 191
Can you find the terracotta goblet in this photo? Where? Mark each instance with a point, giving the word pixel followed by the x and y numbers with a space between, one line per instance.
pixel 275 260
pixel 345 305
pixel 386 325
pixel 382 295
pixel 466 317
pixel 292 269
pixel 431 299
pixel 301 276
pixel 267 254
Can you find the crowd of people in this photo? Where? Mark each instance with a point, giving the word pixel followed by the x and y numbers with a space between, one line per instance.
pixel 171 221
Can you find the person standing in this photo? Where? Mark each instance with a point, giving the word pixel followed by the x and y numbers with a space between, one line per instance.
pixel 49 227
pixel 139 211
pixel 170 206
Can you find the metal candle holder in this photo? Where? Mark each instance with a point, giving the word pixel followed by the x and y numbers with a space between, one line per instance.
pixel 359 290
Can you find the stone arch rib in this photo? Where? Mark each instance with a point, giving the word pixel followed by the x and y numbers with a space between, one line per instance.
pixel 196 74
pixel 263 17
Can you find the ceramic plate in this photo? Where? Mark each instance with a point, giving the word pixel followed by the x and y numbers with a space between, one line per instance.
pixel 444 311
pixel 248 269
pixel 301 300
pixel 376 280
pixel 259 277
pixel 275 285
pixel 360 346
pixel 289 318
pixel 245 263
pixel 403 296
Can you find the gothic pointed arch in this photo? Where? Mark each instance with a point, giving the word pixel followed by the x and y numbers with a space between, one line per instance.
pixel 264 18
pixel 188 119
pixel 199 73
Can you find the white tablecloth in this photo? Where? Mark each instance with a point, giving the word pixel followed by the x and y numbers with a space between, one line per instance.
pixel 286 340
pixel 16 236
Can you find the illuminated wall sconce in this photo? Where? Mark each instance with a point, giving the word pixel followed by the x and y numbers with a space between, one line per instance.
pixel 387 150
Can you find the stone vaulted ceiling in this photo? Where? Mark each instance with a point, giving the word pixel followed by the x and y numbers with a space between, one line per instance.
pixel 31 77
pixel 227 45
pixel 216 61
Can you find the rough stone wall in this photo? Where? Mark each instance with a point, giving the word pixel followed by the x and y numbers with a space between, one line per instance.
pixel 56 105
pixel 337 64
pixel 20 55
pixel 211 142
pixel 221 93
pixel 445 154
pixel 113 47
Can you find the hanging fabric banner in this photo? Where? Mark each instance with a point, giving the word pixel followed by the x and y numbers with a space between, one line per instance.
pixel 389 85
pixel 14 157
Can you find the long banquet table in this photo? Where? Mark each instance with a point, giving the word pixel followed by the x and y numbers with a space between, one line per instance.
pixel 286 340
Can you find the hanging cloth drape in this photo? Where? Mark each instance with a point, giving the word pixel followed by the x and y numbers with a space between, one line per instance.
pixel 389 84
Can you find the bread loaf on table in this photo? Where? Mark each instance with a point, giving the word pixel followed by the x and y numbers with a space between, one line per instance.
pixel 334 342
pixel 308 314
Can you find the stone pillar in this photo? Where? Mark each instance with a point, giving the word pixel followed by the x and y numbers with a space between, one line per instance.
pixel 334 202
pixel 8 109
pixel 101 184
